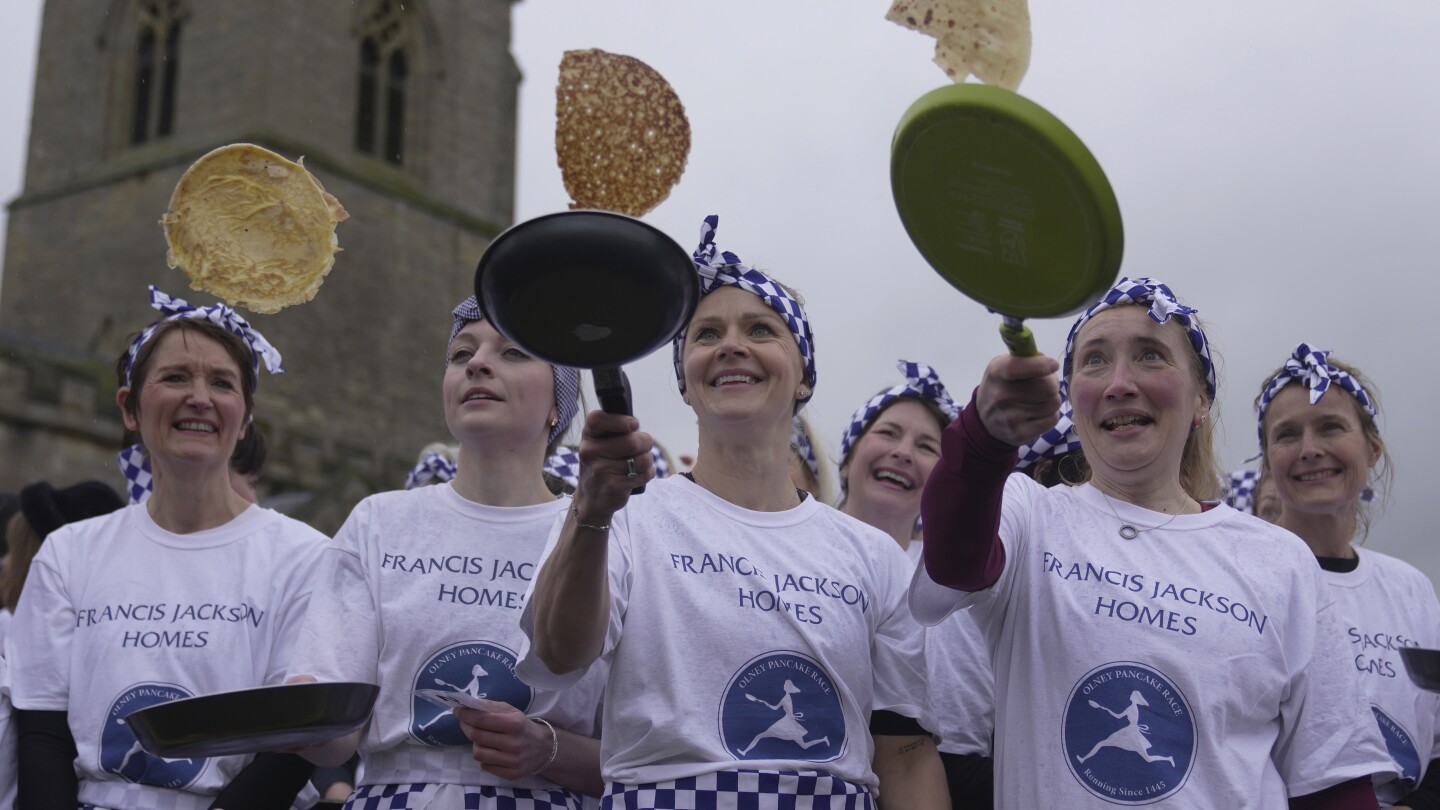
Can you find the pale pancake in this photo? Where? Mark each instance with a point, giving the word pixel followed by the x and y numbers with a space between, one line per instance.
pixel 989 39
pixel 621 135
pixel 252 228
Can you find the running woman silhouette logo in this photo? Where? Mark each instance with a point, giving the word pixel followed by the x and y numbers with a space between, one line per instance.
pixel 1401 747
pixel 480 669
pixel 782 705
pixel 120 752
pixel 1129 734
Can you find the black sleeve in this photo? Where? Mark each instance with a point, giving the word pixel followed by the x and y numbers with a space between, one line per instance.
pixel 1426 796
pixel 271 780
pixel 47 761
pixel 890 724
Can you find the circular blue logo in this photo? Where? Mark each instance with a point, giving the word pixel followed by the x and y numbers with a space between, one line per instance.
pixel 1129 734
pixel 1401 747
pixel 782 705
pixel 480 669
pixel 120 752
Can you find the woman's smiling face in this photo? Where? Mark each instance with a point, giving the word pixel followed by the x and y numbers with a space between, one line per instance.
pixel 740 359
pixel 1318 456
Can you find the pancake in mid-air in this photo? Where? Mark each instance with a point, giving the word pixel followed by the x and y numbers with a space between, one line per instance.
pixel 621 135
pixel 252 228
pixel 989 39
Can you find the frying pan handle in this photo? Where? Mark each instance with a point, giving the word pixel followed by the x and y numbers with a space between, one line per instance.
pixel 612 388
pixel 1018 338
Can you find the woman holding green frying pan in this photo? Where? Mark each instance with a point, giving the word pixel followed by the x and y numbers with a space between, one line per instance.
pixel 1149 644
pixel 759 644
pixel 1323 451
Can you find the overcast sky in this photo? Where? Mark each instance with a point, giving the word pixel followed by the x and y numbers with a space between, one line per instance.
pixel 1276 163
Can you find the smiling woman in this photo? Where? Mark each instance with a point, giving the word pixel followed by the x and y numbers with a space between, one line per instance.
pixel 1320 436
pixel 816 696
pixel 84 647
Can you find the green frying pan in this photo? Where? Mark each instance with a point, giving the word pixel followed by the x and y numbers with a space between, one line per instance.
pixel 1006 204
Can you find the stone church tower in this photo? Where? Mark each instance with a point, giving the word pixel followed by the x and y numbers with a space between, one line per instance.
pixel 406 113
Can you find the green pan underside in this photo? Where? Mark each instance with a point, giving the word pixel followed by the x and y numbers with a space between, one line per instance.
pixel 1005 202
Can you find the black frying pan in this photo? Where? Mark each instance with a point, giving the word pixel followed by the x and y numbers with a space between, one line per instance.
pixel 248 721
pixel 588 289
pixel 1423 667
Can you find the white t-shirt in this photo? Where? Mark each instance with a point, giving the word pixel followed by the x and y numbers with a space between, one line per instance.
pixel 1198 664
pixel 961 686
pixel 1386 604
pixel 423 591
pixel 9 764
pixel 119 614
pixel 742 639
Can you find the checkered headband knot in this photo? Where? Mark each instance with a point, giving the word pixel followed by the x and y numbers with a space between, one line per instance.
pixel 433 467
pixel 1163 306
pixel 800 440
pixel 1312 368
pixel 921 382
pixel 221 315
pixel 724 269
pixel 564 464
pixel 567 380
pixel 135 466
pixel 1053 443
pixel 1239 488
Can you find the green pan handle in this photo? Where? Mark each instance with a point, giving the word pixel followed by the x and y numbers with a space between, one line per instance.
pixel 1018 338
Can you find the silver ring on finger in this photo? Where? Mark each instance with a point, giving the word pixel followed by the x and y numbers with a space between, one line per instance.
pixel 630 467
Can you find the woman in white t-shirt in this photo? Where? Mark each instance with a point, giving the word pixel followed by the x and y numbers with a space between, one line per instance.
pixel 422 591
pixel 758 641
pixel 1324 453
pixel 1148 643
pixel 889 447
pixel 193 592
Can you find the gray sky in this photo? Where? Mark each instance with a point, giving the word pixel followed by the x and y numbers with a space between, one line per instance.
pixel 1276 164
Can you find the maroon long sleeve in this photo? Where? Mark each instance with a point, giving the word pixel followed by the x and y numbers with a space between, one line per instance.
pixel 961 505
pixel 1357 794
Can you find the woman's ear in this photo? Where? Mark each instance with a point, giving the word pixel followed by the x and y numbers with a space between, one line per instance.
pixel 121 397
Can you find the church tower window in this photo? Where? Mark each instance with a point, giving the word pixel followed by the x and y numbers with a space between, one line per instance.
pixel 384 70
pixel 157 68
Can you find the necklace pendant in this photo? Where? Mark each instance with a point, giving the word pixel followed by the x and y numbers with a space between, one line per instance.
pixel 1129 532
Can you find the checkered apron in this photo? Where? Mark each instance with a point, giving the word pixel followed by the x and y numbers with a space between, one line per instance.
pixel 742 790
pixel 459 797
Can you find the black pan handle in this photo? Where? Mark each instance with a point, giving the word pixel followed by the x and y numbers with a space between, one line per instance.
pixel 612 388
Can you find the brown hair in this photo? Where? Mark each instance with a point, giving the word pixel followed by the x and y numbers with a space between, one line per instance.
pixel 940 419
pixel 1382 475
pixel 24 545
pixel 1199 471
pixel 238 350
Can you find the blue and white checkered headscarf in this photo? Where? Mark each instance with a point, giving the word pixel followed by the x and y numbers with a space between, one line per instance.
pixel 1239 488
pixel 1163 306
pixel 1055 442
pixel 1312 368
pixel 564 464
pixel 724 269
pixel 433 467
pixel 567 380
pixel 921 382
pixel 800 440
pixel 221 315
pixel 135 466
